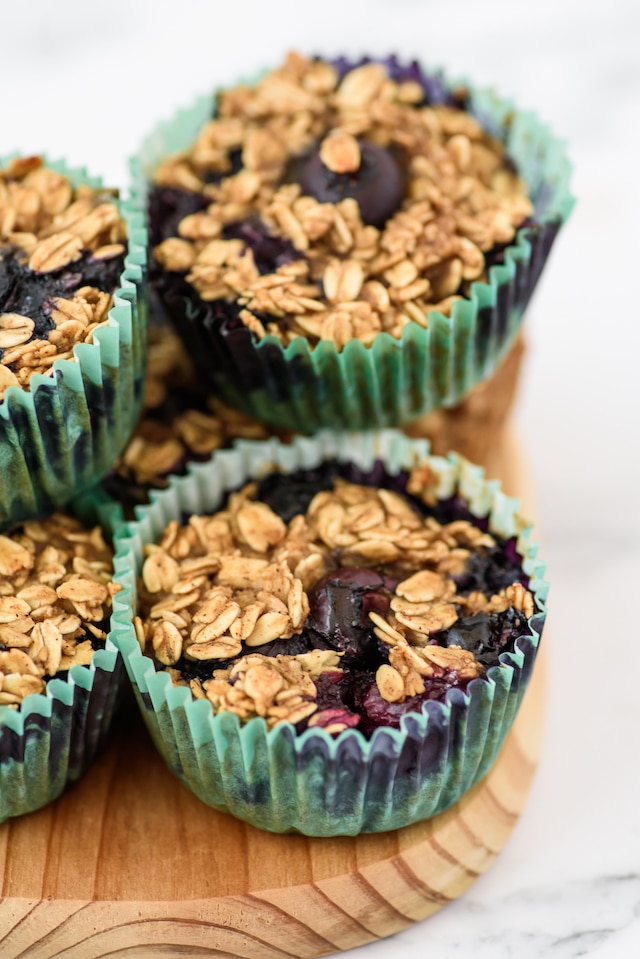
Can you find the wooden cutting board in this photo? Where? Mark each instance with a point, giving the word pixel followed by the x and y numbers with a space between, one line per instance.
pixel 130 864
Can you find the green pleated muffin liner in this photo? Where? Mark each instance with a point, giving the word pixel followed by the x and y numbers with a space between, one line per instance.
pixel 313 783
pixel 305 388
pixel 51 740
pixel 99 507
pixel 63 434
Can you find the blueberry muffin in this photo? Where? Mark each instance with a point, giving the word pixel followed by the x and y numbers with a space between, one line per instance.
pixel 364 616
pixel 348 244
pixel 72 333
pixel 181 422
pixel 59 672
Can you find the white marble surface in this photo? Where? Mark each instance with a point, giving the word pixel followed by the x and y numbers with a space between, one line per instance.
pixel 86 81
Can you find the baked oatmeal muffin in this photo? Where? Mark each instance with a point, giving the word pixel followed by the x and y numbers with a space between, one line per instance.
pixel 181 422
pixel 72 333
pixel 331 636
pixel 349 245
pixel 59 672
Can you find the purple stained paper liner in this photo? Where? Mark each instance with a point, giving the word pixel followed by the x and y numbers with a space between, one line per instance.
pixel 52 739
pixel 312 783
pixel 305 388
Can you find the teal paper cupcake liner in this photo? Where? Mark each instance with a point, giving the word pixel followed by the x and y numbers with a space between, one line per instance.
pixel 53 738
pixel 99 507
pixel 312 783
pixel 63 434
pixel 306 388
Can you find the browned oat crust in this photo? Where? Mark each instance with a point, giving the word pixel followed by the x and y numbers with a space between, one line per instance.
pixel 352 280
pixel 49 223
pixel 55 594
pixel 163 442
pixel 239 579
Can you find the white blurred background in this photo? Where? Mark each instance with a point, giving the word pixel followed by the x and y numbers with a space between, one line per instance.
pixel 86 81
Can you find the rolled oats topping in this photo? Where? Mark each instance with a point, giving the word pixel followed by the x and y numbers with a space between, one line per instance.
pixel 280 688
pixel 55 601
pixel 316 599
pixel 61 253
pixel 382 204
pixel 181 422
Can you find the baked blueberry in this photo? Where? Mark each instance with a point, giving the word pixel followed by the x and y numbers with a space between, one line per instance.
pixel 344 168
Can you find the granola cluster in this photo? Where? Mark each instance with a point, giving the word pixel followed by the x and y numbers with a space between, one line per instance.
pixel 55 598
pixel 170 431
pixel 349 278
pixel 424 604
pixel 224 585
pixel 281 688
pixel 46 226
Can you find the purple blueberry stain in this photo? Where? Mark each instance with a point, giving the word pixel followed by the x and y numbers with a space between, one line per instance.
pixel 32 294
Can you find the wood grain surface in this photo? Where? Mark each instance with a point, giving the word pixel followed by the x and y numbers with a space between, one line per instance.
pixel 130 864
